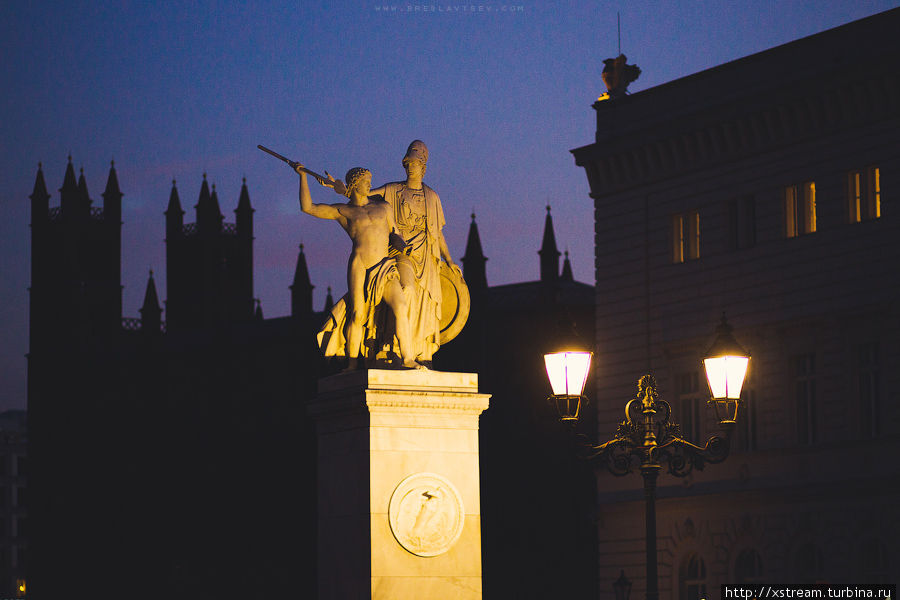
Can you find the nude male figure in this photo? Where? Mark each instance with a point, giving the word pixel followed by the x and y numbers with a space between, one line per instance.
pixel 371 275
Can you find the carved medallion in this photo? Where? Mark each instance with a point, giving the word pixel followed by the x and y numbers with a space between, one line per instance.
pixel 426 514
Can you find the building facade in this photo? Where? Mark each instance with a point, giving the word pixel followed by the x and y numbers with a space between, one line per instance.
pixel 764 188
pixel 13 503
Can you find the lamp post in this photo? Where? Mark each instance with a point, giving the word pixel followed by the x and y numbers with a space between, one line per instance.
pixel 622 587
pixel 648 438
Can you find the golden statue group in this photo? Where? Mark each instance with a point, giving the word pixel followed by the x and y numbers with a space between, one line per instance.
pixel 405 295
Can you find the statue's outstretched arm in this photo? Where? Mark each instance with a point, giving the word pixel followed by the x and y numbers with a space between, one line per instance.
pixel 336 184
pixel 323 211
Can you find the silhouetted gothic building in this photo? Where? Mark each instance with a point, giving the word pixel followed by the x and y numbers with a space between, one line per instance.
pixel 765 188
pixel 172 458
pixel 172 454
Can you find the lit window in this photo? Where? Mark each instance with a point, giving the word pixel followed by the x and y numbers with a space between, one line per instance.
pixel 685 237
pixel 864 194
pixel 800 209
pixel 805 394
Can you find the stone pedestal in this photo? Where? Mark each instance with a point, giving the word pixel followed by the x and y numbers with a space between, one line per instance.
pixel 398 485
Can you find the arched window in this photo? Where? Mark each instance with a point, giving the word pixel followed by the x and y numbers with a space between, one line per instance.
pixel 692 578
pixel 748 567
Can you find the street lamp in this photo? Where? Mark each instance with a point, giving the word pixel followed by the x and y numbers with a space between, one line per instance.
pixel 568 371
pixel 622 587
pixel 726 365
pixel 647 438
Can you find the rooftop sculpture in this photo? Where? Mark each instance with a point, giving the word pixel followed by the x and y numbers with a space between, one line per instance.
pixel 617 75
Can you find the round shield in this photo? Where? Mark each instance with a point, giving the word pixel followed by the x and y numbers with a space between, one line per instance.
pixel 455 303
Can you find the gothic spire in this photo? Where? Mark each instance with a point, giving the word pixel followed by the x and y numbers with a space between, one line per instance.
pixel 203 200
pixel 151 311
pixel 474 259
pixel 209 217
pixel 39 194
pixel 40 199
pixel 244 212
pixel 244 200
pixel 214 200
pixel 203 206
pixel 84 198
pixel 69 182
pixel 174 224
pixel 301 288
pixel 174 202
pixel 68 193
pixel 549 253
pixel 82 188
pixel 567 269
pixel 112 191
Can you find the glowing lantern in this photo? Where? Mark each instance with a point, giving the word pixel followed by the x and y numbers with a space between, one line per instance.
pixel 568 373
pixel 726 365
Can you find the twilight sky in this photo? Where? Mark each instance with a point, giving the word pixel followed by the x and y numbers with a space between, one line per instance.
pixel 499 91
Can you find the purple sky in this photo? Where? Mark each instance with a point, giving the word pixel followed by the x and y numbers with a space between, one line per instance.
pixel 176 89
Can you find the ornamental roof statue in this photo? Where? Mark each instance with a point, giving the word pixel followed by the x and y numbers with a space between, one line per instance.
pixel 617 75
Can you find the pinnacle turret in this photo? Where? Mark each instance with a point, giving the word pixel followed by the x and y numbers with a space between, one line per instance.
pixel 69 195
pixel 214 201
pixel 40 199
pixel 83 194
pixel 244 212
pixel 567 269
pixel 40 186
pixel 112 191
pixel 69 182
pixel 174 201
pixel 244 200
pixel 549 253
pixel 151 312
pixel 209 216
pixel 474 260
pixel 301 288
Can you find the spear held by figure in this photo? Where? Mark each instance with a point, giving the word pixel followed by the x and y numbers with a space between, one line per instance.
pixel 327 180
